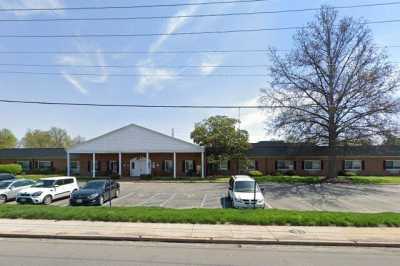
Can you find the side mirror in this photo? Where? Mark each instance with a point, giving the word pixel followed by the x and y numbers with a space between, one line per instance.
pixel 230 188
pixel 262 190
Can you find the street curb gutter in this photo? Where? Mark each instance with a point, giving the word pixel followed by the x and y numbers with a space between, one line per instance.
pixel 209 241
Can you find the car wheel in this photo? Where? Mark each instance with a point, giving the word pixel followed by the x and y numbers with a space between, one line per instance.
pixel 117 193
pixel 3 199
pixel 101 200
pixel 47 200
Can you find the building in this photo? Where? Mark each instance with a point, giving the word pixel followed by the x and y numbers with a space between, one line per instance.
pixel 270 157
pixel 137 151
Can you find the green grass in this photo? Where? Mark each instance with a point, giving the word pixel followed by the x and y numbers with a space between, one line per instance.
pixel 201 216
pixel 289 179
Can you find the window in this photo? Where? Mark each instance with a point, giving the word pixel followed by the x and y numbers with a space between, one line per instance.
pixel 45 165
pixel 189 166
pixel 75 167
pixel 252 165
pixel 284 165
pixel 352 165
pixel 113 166
pixel 25 165
pixel 223 165
pixel 90 166
pixel 312 165
pixel 68 181
pixel 392 165
pixel 168 166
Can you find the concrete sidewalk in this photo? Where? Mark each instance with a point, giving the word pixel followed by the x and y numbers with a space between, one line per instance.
pixel 200 233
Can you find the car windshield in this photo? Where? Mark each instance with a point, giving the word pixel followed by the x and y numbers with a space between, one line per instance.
pixel 94 184
pixel 245 186
pixel 45 183
pixel 5 184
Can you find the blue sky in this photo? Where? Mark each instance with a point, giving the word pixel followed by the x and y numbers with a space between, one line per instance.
pixel 147 89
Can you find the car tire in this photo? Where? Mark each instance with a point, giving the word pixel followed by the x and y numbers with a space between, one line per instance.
pixel 3 199
pixel 101 201
pixel 117 193
pixel 47 200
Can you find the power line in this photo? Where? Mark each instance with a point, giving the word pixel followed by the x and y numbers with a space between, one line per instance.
pixel 195 15
pixel 139 105
pixel 130 75
pixel 141 52
pixel 171 52
pixel 129 7
pixel 135 66
pixel 104 35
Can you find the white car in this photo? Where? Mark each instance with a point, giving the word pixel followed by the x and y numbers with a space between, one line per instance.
pixel 244 192
pixel 10 188
pixel 48 189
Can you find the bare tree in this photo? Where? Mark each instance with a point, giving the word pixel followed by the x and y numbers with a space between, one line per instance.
pixel 334 87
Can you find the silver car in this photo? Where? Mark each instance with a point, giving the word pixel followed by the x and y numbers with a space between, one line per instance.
pixel 10 188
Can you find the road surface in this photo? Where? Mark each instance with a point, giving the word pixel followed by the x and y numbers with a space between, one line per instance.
pixel 34 252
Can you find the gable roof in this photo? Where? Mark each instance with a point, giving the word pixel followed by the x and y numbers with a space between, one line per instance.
pixel 134 139
pixel 33 153
pixel 280 148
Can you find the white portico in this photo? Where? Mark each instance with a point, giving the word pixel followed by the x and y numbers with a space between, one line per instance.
pixel 135 151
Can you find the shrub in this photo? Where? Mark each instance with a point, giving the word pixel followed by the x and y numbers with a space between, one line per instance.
pixel 255 173
pixel 347 173
pixel 11 169
pixel 290 173
pixel 38 171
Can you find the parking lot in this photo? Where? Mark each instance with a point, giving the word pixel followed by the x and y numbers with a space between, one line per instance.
pixel 330 197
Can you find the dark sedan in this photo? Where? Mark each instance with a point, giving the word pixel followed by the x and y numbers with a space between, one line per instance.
pixel 95 192
pixel 7 177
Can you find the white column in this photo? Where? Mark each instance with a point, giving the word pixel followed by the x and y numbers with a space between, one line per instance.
pixel 202 164
pixel 94 165
pixel 147 164
pixel 68 165
pixel 174 164
pixel 120 164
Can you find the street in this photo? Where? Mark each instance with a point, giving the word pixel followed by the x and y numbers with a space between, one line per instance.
pixel 67 252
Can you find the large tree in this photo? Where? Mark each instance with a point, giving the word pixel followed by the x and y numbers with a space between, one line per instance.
pixel 336 86
pixel 223 141
pixel 53 138
pixel 7 139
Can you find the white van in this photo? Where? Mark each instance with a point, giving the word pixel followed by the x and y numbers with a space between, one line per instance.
pixel 48 189
pixel 244 192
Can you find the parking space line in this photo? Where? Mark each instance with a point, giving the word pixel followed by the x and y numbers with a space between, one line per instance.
pixel 168 200
pixel 124 196
pixel 268 205
pixel 149 199
pixel 203 201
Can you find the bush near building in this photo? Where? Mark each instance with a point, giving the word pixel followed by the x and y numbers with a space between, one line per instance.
pixel 10 169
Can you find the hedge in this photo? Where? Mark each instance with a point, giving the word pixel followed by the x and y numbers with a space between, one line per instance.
pixel 10 169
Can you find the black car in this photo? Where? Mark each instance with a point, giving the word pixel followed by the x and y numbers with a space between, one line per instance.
pixel 7 177
pixel 95 192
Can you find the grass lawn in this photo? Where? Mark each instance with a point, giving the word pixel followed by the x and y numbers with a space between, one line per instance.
pixel 201 216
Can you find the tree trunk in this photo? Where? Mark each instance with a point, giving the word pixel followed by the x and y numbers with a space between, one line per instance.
pixel 332 173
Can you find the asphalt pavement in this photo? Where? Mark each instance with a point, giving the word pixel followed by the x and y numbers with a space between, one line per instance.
pixel 37 252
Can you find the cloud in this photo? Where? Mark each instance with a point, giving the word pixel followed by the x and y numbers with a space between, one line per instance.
pixel 253 120
pixel 96 59
pixel 153 78
pixel 173 25
pixel 210 63
pixel 19 4
pixel 74 82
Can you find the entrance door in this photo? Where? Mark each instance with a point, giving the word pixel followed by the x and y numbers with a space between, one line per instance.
pixel 138 167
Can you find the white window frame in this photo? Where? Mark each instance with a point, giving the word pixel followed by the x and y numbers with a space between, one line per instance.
pixel 23 162
pixel 352 169
pixel 223 165
pixel 290 168
pixel 251 166
pixel 395 168
pixel 168 166
pixel 77 169
pixel 312 167
pixel 45 168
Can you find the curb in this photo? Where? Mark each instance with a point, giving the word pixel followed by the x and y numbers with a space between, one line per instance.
pixel 209 240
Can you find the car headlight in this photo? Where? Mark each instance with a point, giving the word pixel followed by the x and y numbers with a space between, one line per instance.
pixel 239 200
pixel 93 196
pixel 260 201
pixel 37 194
